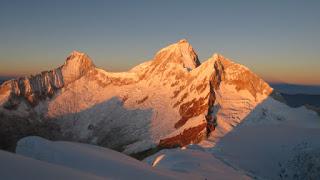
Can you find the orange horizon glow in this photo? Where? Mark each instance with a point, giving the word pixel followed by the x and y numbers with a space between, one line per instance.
pixel 284 78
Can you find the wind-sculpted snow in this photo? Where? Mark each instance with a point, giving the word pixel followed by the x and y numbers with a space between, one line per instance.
pixel 194 160
pixel 171 100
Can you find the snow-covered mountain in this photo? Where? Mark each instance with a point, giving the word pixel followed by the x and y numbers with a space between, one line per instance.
pixel 242 127
pixel 171 100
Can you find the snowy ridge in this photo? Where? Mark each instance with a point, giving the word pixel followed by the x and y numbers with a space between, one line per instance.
pixel 38 87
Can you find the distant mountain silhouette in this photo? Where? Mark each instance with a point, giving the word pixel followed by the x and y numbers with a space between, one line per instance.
pixel 296 88
pixel 297 100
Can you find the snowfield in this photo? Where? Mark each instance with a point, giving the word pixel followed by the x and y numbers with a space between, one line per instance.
pixel 269 141
pixel 73 159
pixel 89 159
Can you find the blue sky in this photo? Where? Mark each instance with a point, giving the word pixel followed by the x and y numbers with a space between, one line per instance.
pixel 279 40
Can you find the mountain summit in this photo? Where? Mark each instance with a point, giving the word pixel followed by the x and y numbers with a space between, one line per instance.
pixel 170 101
pixel 180 52
pixel 77 64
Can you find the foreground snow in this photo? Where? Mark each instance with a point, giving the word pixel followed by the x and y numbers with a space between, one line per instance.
pixel 81 159
pixel 194 160
pixel 74 159
pixel 13 166
pixel 271 151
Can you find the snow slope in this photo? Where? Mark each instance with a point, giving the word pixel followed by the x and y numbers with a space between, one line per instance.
pixel 92 160
pixel 274 141
pixel 16 167
pixel 270 139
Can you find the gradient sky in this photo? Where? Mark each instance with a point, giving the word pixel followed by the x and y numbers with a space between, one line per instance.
pixel 279 40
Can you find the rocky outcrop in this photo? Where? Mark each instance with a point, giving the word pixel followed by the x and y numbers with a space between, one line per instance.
pixel 188 136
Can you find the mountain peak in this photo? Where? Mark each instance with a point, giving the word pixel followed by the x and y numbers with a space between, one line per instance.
pixel 78 56
pixel 76 65
pixel 179 53
pixel 221 59
pixel 217 56
pixel 76 53
pixel 183 41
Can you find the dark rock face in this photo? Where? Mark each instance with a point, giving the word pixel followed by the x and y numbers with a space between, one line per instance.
pixel 188 136
pixel 13 128
pixel 194 108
